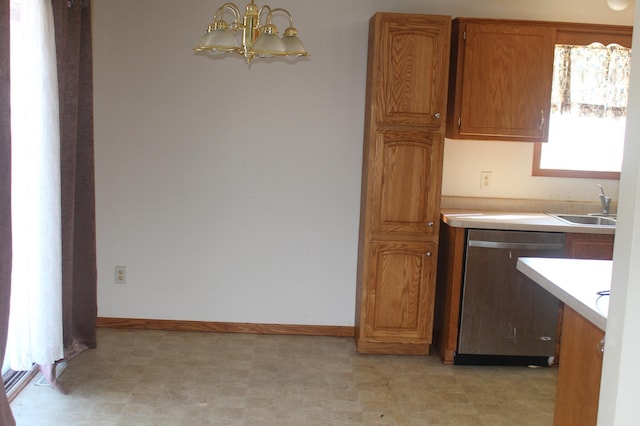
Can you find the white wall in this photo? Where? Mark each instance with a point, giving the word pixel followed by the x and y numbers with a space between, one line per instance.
pixel 621 371
pixel 219 222
pixel 510 166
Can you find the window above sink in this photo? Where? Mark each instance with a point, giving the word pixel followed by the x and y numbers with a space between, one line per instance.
pixel 588 108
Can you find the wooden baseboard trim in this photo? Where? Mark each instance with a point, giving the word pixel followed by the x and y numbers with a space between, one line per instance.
pixel 225 327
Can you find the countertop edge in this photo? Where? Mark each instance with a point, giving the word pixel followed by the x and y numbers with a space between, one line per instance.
pixel 517 221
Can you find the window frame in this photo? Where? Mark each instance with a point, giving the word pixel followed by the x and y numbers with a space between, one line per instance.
pixel 583 34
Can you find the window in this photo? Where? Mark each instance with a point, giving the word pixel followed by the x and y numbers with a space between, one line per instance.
pixel 588 112
pixel 35 321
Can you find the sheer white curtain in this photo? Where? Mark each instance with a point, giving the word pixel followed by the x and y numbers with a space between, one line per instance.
pixel 588 107
pixel 35 323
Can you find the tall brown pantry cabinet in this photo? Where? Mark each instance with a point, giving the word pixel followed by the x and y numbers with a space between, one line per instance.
pixel 407 74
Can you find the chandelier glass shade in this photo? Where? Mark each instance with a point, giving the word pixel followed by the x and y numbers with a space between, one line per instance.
pixel 259 36
pixel 619 5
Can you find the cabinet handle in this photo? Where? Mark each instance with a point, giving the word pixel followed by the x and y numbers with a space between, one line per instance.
pixel 541 119
pixel 428 254
pixel 437 115
pixel 429 224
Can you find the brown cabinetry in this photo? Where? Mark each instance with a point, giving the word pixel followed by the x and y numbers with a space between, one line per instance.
pixel 399 291
pixel 448 291
pixel 410 55
pixel 405 176
pixel 500 80
pixel 582 246
pixel 579 373
pixel 401 180
pixel 589 246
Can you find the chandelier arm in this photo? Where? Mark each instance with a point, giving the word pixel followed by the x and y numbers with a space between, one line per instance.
pixel 269 13
pixel 233 9
pixel 286 12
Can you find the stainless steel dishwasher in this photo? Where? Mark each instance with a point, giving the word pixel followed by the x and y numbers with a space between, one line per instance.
pixel 506 319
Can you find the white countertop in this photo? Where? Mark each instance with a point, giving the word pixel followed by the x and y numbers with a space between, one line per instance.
pixel 575 282
pixel 517 221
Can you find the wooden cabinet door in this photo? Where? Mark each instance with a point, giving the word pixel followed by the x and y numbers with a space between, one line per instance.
pixel 411 77
pixel 401 288
pixel 579 373
pixel 503 82
pixel 406 183
pixel 589 246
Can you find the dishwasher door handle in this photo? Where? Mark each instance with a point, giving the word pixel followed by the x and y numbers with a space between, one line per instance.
pixel 515 246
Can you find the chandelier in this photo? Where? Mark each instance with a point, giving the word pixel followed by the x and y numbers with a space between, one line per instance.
pixel 619 5
pixel 259 40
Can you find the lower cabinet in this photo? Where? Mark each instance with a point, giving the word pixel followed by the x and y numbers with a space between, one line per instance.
pixel 583 246
pixel 589 246
pixel 448 291
pixel 578 386
pixel 397 305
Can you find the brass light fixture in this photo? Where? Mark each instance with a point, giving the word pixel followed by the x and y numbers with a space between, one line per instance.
pixel 259 40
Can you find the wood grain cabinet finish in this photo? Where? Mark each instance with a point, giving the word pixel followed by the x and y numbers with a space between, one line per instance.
pixel 409 70
pixel 500 80
pixel 399 293
pixel 589 246
pixel 582 246
pixel 404 195
pixel 401 180
pixel 579 373
pixel 448 291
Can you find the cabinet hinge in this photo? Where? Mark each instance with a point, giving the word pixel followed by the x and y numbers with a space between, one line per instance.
pixel 459 121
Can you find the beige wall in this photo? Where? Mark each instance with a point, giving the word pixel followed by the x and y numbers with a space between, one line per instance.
pixel 232 194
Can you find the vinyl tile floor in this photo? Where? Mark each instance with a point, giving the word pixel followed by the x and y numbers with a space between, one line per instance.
pixel 141 377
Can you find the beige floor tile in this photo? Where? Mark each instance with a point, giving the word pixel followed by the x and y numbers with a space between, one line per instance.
pixel 206 379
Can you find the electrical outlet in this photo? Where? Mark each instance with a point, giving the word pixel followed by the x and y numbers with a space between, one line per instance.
pixel 120 275
pixel 486 181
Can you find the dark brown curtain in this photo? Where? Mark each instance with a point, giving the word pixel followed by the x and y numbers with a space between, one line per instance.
pixel 6 418
pixel 72 21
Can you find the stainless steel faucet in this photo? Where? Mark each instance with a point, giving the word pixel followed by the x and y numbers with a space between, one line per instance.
pixel 604 200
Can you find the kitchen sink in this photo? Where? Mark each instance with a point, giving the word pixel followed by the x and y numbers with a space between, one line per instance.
pixel 585 219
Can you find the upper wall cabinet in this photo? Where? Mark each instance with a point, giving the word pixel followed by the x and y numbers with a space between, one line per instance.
pixel 500 80
pixel 411 81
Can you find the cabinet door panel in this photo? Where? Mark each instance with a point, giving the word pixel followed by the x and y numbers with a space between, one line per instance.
pixel 589 246
pixel 506 82
pixel 412 74
pixel 579 373
pixel 401 292
pixel 407 181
